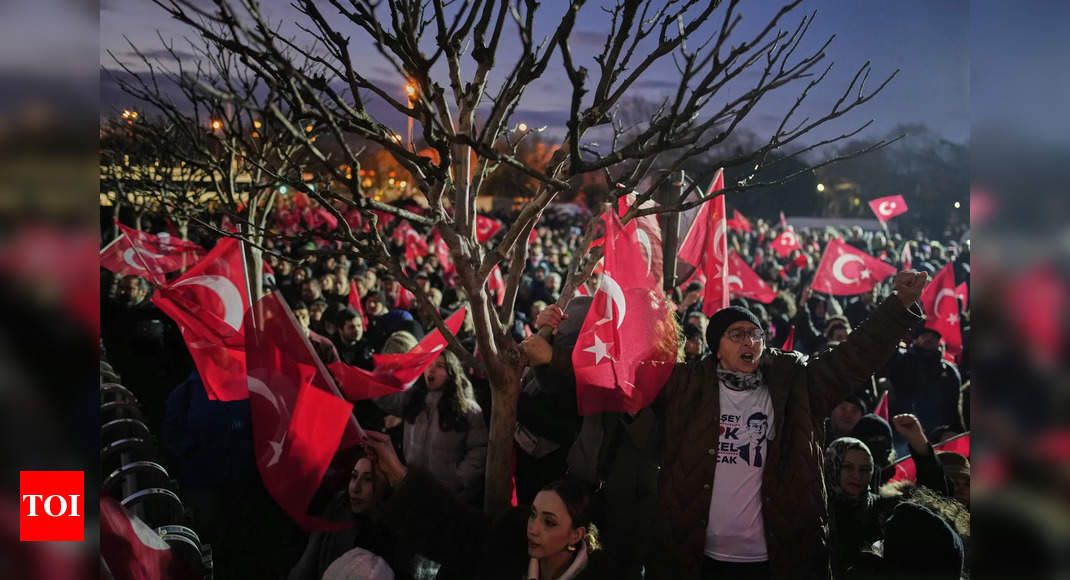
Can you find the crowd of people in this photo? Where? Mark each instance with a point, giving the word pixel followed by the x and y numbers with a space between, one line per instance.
pixel 753 462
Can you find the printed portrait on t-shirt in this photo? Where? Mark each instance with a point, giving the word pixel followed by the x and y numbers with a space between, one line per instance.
pixel 752 452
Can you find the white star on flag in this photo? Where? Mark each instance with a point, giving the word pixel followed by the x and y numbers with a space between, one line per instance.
pixel 952 318
pixel 598 350
pixel 864 274
pixel 276 450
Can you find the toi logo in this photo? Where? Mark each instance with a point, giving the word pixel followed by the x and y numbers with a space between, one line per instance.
pixel 51 506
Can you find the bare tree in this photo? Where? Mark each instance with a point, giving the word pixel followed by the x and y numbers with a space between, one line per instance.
pixel 314 79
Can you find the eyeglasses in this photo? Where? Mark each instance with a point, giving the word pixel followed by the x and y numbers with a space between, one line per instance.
pixel 737 334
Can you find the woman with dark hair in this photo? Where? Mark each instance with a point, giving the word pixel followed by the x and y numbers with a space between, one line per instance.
pixel 855 512
pixel 365 491
pixel 444 431
pixel 552 539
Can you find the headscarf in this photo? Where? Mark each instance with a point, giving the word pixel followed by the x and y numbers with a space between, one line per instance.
pixel 834 455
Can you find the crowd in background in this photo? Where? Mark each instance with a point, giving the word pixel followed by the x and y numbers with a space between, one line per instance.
pixel 440 424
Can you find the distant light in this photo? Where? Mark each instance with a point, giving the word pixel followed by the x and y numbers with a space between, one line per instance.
pixel 522 127
pixel 283 189
pixel 403 184
pixel 410 89
pixel 256 124
pixel 821 187
pixel 957 205
pixel 312 187
pixel 855 200
pixel 396 138
pixel 217 125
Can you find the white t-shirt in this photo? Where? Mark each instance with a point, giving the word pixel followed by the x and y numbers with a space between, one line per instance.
pixel 735 531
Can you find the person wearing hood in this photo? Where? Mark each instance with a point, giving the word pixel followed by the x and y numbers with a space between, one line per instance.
pixel 924 384
pixel 760 514
pixel 918 544
pixel 876 433
pixel 854 508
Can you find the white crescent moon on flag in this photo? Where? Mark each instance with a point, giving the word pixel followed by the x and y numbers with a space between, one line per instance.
pixel 128 256
pixel 734 280
pixel 648 252
pixel 837 268
pixel 261 389
pixel 886 207
pixel 718 253
pixel 788 239
pixel 940 296
pixel 615 298
pixel 233 309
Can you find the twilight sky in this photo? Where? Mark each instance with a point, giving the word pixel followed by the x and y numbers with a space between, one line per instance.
pixel 929 41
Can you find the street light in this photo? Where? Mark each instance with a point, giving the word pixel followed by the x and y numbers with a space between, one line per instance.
pixel 957 205
pixel 217 125
pixel 522 127
pixel 821 187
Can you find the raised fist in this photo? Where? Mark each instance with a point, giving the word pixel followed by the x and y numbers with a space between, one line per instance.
pixel 909 285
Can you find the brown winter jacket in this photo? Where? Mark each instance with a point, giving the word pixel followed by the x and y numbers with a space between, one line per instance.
pixel 793 490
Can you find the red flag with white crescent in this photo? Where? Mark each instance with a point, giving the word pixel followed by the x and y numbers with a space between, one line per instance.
pixel 886 208
pixel 209 303
pixel 149 256
pixel 845 270
pixel 786 243
pixel 744 282
pixel 133 550
pixel 486 228
pixel 496 285
pixel 394 373
pixel 299 418
pixel 942 308
pixel 627 346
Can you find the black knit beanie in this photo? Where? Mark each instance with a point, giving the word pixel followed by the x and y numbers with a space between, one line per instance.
pixel 722 319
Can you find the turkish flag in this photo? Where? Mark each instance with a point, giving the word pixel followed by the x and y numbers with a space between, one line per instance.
pixel 209 303
pixel 744 282
pixel 299 421
pixel 486 228
pixel 627 346
pixel 496 285
pixel 962 292
pixel 394 372
pixel 786 243
pixel 648 235
pixel 415 246
pixel 706 247
pixel 906 470
pixel 882 407
pixel 845 271
pixel 887 208
pixel 942 308
pixel 149 256
pixel 133 550
pixel 738 222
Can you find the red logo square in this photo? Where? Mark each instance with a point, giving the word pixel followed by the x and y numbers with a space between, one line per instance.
pixel 51 506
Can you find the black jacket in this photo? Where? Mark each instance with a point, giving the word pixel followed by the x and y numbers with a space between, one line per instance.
pixel 467 544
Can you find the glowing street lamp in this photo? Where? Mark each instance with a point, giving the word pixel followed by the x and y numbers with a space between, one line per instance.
pixel 217 125
pixel 410 90
pixel 522 127
pixel 821 187
pixel 957 205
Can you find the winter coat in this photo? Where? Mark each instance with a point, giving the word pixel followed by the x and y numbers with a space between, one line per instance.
pixel 803 392
pixel 325 547
pixel 926 385
pixel 456 459
pixel 467 544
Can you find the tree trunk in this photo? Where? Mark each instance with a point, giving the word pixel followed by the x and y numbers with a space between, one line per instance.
pixel 505 390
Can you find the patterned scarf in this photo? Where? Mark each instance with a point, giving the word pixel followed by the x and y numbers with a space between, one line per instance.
pixel 739 381
pixel 834 455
